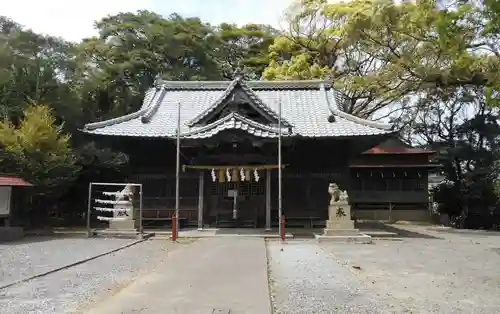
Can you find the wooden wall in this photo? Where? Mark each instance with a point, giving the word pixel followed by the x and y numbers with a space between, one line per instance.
pixel 311 165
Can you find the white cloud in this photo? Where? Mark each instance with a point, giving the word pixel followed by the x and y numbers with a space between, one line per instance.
pixel 73 20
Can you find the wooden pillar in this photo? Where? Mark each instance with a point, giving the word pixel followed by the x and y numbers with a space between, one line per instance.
pixel 268 199
pixel 200 199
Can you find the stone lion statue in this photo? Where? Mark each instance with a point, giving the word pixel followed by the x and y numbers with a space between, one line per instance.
pixel 334 191
pixel 126 194
pixel 337 195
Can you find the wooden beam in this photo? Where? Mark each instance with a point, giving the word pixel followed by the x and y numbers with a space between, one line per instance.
pixel 218 167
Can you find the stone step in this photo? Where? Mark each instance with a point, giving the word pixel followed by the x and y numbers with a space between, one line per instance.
pixel 380 233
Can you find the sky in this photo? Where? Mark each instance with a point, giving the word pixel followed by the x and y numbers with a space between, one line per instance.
pixel 73 20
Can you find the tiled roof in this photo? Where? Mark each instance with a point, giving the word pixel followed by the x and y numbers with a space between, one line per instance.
pixel 13 181
pixel 305 105
pixel 238 82
pixel 236 121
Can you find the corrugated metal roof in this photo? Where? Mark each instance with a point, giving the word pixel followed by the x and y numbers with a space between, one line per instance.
pixel 306 108
pixel 13 181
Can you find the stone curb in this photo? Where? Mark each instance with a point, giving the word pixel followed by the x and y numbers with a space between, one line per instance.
pixel 43 274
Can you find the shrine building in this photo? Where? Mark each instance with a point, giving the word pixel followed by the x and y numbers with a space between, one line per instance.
pixel 229 155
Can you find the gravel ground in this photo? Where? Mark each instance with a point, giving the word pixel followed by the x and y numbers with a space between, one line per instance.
pixel 71 290
pixel 31 256
pixel 457 274
pixel 305 279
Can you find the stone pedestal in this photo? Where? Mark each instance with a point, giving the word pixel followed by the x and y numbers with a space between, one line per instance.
pixel 125 217
pixel 340 226
pixel 123 224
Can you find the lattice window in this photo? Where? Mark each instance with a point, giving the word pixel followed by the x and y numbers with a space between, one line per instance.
pixel 244 188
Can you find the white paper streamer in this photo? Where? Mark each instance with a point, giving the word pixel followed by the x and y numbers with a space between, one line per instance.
pixel 110 209
pixel 256 175
pixel 111 202
pixel 214 177
pixel 242 174
pixel 119 193
pixel 228 175
pixel 111 218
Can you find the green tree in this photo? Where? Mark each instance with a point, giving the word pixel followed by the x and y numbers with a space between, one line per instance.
pixel 40 152
pixel 33 69
pixel 245 47
pixel 380 52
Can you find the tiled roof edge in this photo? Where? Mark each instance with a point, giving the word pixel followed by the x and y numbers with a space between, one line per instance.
pixel 335 111
pixel 262 105
pixel 256 85
pixel 249 92
pixel 109 122
pixel 236 117
pixel 151 110
pixel 212 107
pixel 101 124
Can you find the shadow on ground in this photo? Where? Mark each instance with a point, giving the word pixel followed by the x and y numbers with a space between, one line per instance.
pixel 401 232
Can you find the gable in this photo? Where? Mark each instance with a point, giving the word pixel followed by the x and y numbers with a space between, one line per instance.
pixel 240 99
pixel 238 102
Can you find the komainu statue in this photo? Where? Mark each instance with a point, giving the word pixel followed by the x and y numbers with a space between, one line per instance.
pixel 126 194
pixel 334 191
pixel 344 197
pixel 337 195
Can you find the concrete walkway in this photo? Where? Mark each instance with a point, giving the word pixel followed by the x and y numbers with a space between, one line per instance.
pixel 212 275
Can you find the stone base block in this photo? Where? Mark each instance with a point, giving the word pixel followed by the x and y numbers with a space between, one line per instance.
pixel 358 238
pixel 123 224
pixel 340 232
pixel 340 224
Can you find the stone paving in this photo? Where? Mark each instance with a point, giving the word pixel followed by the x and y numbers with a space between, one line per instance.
pixel 211 275
pixel 459 273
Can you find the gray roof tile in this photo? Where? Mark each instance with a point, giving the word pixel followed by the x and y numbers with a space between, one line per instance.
pixel 306 106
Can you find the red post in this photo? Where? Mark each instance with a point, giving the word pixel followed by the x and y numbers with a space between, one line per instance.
pixel 174 228
pixel 282 228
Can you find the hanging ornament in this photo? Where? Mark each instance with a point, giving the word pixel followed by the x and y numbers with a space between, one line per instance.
pixel 248 175
pixel 235 176
pixel 214 177
pixel 222 176
pixel 256 175
pixel 228 175
pixel 242 174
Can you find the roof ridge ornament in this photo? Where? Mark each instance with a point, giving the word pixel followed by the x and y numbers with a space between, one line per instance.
pixel 158 81
pixel 238 73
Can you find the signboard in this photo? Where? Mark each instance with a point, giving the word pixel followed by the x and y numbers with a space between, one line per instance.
pixel 5 192
pixel 232 193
